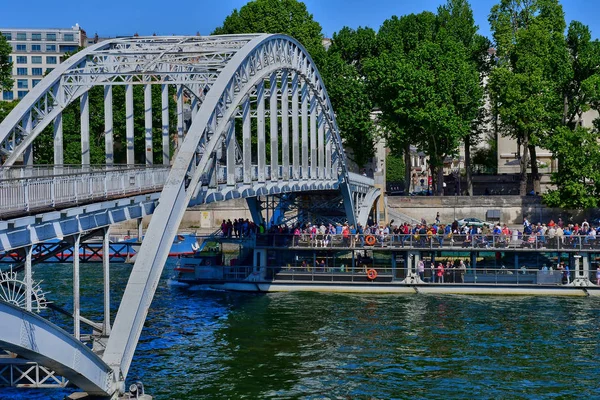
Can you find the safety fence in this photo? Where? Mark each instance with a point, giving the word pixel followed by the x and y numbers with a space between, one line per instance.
pixel 42 192
pixel 480 242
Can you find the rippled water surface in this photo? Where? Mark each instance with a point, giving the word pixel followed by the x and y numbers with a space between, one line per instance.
pixel 202 344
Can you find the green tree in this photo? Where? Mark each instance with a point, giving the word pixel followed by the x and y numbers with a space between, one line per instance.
pixel 388 81
pixel 576 147
pixel 289 17
pixel 578 178
pixel 6 81
pixel 394 169
pixel 456 17
pixel 525 84
pixel 427 82
pixel 347 88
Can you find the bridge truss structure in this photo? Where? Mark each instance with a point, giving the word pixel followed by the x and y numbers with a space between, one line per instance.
pixel 261 125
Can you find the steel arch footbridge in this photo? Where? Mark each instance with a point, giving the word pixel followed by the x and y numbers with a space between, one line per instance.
pixel 260 124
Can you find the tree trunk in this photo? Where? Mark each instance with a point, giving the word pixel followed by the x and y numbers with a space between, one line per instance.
pixel 440 180
pixel 468 166
pixel 535 172
pixel 432 171
pixel 523 164
pixel 407 170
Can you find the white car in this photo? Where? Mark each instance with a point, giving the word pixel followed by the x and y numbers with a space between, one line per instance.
pixel 474 222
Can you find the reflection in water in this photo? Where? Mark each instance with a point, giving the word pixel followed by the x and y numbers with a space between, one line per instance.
pixel 210 344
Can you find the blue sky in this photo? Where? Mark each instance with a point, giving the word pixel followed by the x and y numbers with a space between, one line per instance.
pixel 186 17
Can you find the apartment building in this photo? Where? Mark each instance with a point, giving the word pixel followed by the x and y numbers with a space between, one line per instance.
pixel 36 52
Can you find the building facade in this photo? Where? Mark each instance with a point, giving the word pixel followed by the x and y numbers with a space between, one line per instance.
pixel 36 52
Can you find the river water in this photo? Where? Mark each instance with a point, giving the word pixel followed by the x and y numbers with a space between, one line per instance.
pixel 203 344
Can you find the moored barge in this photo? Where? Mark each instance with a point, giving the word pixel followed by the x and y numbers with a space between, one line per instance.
pixel 395 264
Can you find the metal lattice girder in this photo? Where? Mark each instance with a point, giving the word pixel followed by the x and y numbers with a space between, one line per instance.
pixel 39 340
pixel 249 68
pixel 189 61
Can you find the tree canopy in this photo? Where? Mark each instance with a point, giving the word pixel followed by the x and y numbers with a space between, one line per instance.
pixel 6 81
pixel 427 82
pixel 289 17
pixel 346 84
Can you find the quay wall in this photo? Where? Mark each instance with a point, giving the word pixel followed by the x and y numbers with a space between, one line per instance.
pixel 207 218
pixel 512 209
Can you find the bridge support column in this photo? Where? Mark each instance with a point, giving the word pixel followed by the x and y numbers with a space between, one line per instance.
pixel 305 130
pixel 231 141
pixel 148 122
pixel 58 134
pixel 328 173
pixel 129 127
pixel 285 129
pixel 164 92
pixel 412 259
pixel 260 128
pixel 140 229
pixel 28 153
pixel 247 141
pixel 84 113
pixel 58 141
pixel 106 280
pixel 76 305
pixel 255 210
pixel 28 278
pixel 295 130
pixel 313 137
pixel 179 115
pixel 320 146
pixel 274 128
pixel 108 125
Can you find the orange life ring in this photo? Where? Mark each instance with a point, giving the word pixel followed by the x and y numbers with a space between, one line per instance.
pixel 372 274
pixel 370 240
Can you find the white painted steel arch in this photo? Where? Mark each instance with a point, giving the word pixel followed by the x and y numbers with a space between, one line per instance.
pixel 192 62
pixel 257 61
pixel 39 340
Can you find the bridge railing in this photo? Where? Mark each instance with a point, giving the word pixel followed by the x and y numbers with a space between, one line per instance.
pixel 37 171
pixel 478 242
pixel 221 174
pixel 28 194
pixel 360 179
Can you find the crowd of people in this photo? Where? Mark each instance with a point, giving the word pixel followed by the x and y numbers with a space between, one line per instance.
pixel 423 234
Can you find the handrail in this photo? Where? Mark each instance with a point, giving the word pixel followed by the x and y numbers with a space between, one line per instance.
pixel 27 194
pixel 478 242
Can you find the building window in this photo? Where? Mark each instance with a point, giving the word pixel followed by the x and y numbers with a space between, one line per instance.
pixel 21 47
pixel 48 70
pixel 68 49
pixel 9 59
pixel 36 71
pixel 21 36
pixel 51 37
pixel 22 84
pixel 22 93
pixel 68 37
pixel 51 60
pixel 51 47
pixel 36 36
pixel 8 36
pixel 21 71
pixel 34 82
pixel 21 59
pixel 36 59
pixel 8 96
pixel 36 48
